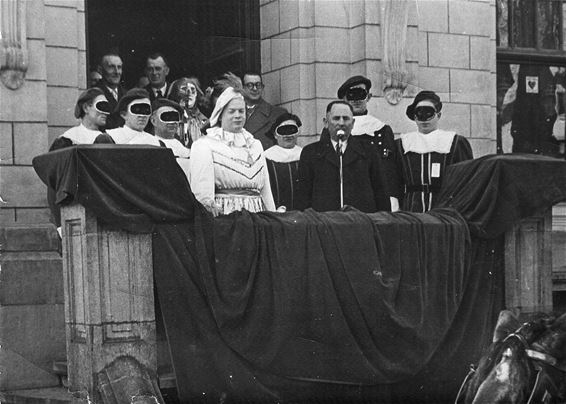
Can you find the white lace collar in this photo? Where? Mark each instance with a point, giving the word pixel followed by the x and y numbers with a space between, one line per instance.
pixel 281 155
pixel 238 139
pixel 366 124
pixel 439 141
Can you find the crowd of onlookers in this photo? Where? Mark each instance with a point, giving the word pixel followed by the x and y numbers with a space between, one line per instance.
pixel 240 152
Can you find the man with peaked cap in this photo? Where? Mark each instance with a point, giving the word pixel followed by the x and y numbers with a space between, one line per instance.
pixel 356 92
pixel 135 110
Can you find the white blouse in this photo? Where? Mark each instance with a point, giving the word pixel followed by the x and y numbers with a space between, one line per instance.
pixel 126 135
pixel 223 161
pixel 81 134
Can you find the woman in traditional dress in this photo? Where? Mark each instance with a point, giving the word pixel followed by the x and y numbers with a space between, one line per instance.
pixel 283 160
pixel 422 156
pixel 227 167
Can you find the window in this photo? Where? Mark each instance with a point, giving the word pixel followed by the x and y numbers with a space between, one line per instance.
pixel 531 76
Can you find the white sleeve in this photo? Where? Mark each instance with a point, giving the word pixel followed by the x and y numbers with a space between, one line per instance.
pixel 201 172
pixel 266 194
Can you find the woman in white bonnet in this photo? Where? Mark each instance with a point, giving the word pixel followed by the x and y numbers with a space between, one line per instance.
pixel 423 156
pixel 227 168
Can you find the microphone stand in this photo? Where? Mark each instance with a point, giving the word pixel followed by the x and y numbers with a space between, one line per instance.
pixel 340 146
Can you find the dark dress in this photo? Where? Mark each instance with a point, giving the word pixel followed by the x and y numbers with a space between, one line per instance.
pixel 283 177
pixel 421 181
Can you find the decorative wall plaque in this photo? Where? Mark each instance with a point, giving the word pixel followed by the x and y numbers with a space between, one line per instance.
pixel 394 28
pixel 13 47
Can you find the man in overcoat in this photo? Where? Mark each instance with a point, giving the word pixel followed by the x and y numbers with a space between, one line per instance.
pixel 260 114
pixel 319 183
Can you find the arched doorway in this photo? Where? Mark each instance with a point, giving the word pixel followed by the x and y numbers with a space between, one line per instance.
pixel 200 38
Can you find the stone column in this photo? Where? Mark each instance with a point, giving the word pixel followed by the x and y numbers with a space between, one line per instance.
pixel 528 265
pixel 109 303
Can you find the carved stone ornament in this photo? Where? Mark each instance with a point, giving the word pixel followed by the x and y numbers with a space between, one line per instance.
pixel 395 74
pixel 13 47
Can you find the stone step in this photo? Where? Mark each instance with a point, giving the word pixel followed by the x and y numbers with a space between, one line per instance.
pixel 165 379
pixel 31 278
pixel 29 237
pixel 51 395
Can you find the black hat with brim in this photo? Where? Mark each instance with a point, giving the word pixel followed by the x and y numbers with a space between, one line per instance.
pixel 424 95
pixel 352 81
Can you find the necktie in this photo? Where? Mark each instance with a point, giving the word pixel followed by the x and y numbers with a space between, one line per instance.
pixel 338 149
pixel 158 94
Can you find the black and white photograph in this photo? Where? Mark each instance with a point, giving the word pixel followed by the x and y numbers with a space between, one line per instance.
pixel 282 201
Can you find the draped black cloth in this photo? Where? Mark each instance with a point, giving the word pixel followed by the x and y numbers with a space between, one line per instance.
pixel 130 187
pixel 316 306
pixel 493 192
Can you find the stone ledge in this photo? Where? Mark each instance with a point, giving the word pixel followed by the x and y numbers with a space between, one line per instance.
pixel 29 238
pixel 30 278
pixel 52 395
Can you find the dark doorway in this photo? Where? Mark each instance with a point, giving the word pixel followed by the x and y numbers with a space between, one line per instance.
pixel 200 38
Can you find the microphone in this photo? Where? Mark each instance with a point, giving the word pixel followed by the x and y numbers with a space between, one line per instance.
pixel 341 137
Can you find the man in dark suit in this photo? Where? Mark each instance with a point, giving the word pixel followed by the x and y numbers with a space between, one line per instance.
pixel 110 67
pixel 319 184
pixel 260 114
pixel 156 70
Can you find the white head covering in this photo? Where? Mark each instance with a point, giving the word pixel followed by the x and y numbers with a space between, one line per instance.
pixel 227 95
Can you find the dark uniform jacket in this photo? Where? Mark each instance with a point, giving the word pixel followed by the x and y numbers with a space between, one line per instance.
pixel 260 121
pixel 114 120
pixel 382 141
pixel 318 184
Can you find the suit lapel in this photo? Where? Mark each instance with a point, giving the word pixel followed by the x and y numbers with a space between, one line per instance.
pixel 258 118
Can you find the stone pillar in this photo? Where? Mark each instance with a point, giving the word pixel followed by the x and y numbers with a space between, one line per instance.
pixel 109 304
pixel 528 265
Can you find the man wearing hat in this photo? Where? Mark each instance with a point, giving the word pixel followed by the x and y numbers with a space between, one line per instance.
pixel 135 110
pixel 356 92
pixel 423 155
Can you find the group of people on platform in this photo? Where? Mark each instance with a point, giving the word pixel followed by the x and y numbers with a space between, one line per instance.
pixel 240 152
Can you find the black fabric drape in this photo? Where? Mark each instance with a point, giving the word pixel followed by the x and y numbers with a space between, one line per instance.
pixel 287 305
pixel 130 187
pixel 494 192
pixel 316 306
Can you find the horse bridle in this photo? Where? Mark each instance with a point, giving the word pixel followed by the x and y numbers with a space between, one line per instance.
pixel 540 359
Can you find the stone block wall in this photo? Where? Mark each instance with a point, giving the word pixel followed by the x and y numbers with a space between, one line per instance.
pixel 33 115
pixel 310 47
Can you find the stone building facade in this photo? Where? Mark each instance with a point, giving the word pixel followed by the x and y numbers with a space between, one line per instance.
pixel 308 48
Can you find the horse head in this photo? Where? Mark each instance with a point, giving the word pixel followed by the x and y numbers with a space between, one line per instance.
pixel 505 374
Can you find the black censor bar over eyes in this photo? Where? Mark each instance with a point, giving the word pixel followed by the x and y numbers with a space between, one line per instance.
pixel 141 108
